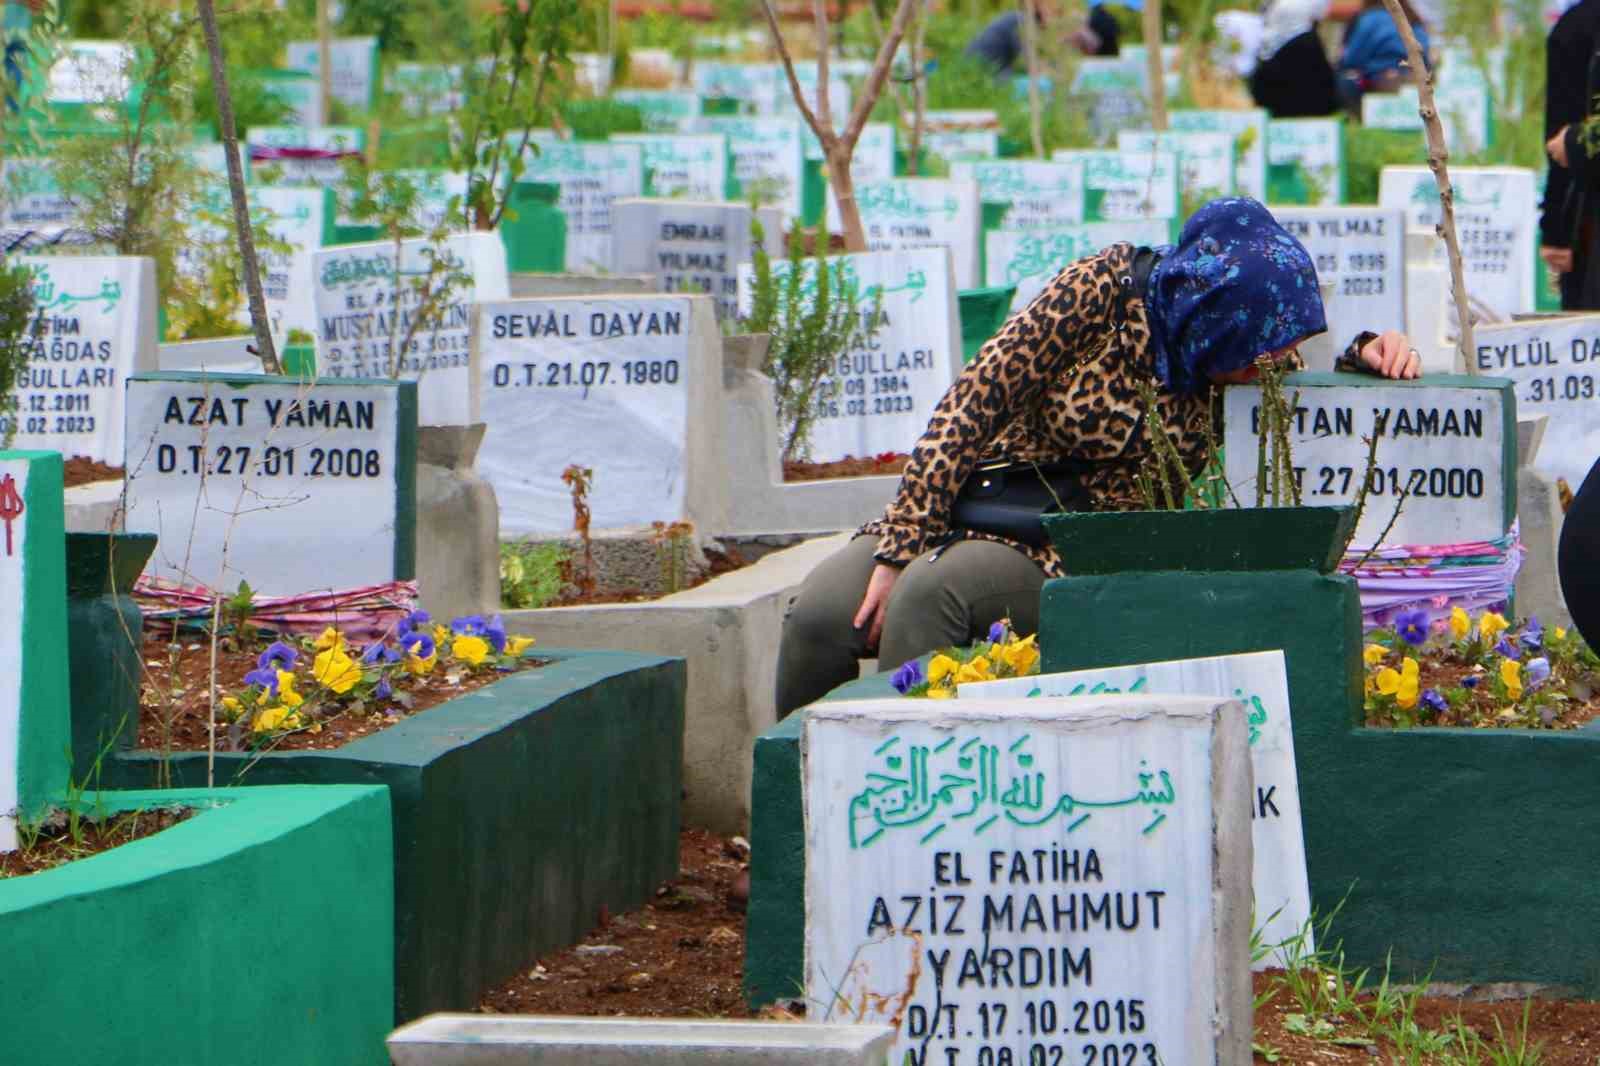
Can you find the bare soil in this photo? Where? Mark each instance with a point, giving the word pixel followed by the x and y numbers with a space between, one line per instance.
pixel 81 470
pixel 885 463
pixel 682 956
pixel 174 713
pixel 722 562
pixel 1482 706
pixel 56 844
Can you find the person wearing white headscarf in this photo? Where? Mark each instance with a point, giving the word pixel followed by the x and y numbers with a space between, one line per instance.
pixel 1293 78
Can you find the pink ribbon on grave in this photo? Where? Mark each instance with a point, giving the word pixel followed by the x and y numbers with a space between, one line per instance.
pixel 365 613
pixel 267 153
pixel 1473 575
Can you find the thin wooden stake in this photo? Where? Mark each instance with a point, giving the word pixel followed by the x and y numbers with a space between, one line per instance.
pixel 1152 59
pixel 1030 43
pixel 1438 158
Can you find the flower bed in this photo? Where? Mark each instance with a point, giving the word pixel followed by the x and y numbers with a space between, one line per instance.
pixel 884 463
pixel 317 694
pixel 70 834
pixel 1002 655
pixel 1483 673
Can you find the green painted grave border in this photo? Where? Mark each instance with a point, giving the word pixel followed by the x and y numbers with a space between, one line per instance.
pixel 268 913
pixel 405 466
pixel 519 811
pixel 44 729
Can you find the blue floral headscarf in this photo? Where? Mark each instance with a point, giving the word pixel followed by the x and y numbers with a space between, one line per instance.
pixel 1236 286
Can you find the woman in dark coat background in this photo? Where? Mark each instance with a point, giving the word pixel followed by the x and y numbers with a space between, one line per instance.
pixel 1567 224
pixel 1293 78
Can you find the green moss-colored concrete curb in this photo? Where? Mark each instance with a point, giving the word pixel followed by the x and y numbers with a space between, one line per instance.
pixel 520 810
pixel 983 312
pixel 1246 539
pixel 46 731
pixel 257 933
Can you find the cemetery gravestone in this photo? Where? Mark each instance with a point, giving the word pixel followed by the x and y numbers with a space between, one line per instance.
pixel 1259 681
pixel 873 159
pixel 1114 90
pixel 956 145
pixel 628 388
pixel 1030 259
pixel 94 326
pixel 303 155
pixel 91 72
pixel 428 88
pixel 1496 225
pixel 1122 186
pixel 591 176
pixel 294 488
pixel 907 213
pixel 1305 161
pixel 693 166
pixel 690 247
pixel 1040 195
pixel 1205 160
pixel 749 83
pixel 663 110
pixel 353 78
pixel 1555 364
pixel 365 305
pixel 30 199
pixel 35 721
pixel 1039 880
pixel 1463 111
pixel 767 157
pixel 1448 451
pixel 1249 132
pixel 880 395
pixel 1361 250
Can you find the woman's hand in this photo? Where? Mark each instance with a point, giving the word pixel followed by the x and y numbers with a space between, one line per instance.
pixel 1559 260
pixel 875 604
pixel 1391 355
pixel 1556 147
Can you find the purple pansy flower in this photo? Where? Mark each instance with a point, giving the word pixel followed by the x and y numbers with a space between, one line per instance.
pixel 412 622
pixel 419 644
pixel 1412 626
pixel 908 677
pixel 495 634
pixel 379 652
pixel 1538 672
pixel 1506 649
pixel 278 656
pixel 1532 635
pixel 383 690
pixel 1434 701
pixel 997 633
pixel 1471 681
pixel 266 677
pixel 468 625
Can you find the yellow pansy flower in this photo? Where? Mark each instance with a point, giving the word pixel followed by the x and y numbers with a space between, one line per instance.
pixel 976 670
pixel 470 649
pixel 1561 634
pixel 1021 655
pixel 1490 625
pixel 1511 675
pixel 330 638
pixel 421 667
pixel 286 693
pixel 440 634
pixel 270 719
pixel 232 705
pixel 940 667
pixel 1406 695
pixel 1460 624
pixel 1373 654
pixel 518 645
pixel 1408 667
pixel 1388 681
pixel 939 692
pixel 336 671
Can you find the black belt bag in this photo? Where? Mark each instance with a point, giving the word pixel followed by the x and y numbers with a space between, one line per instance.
pixel 1010 499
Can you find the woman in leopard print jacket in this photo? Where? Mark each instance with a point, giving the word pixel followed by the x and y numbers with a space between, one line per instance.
pixel 1058 384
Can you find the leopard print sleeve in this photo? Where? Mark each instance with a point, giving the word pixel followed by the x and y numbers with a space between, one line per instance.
pixel 1068 320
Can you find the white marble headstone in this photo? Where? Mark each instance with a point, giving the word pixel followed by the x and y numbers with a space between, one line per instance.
pixel 95 325
pixel 1249 130
pixel 692 247
pixel 1029 259
pixel 1124 186
pixel 353 69
pixel 1361 250
pixel 591 175
pixel 1556 365
pixel 1316 146
pixel 1205 158
pixel 1041 194
pixel 693 166
pixel 767 157
pixel 1044 880
pixel 908 213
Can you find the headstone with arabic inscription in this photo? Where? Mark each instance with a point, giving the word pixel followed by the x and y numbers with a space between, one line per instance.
pixel 35 719
pixel 880 396
pixel 693 166
pixel 1040 194
pixel 1361 250
pixel 662 110
pixel 1260 682
pixel 1123 186
pixel 1555 363
pixel 292 487
pixel 1305 161
pixel 1249 131
pixel 1446 459
pixel 94 326
pixel 1029 259
pixel 692 247
pixel 366 310
pixel 629 387
pixel 767 157
pixel 353 70
pixel 303 155
pixel 30 198
pixel 591 175
pixel 907 213
pixel 1032 880
pixel 1205 159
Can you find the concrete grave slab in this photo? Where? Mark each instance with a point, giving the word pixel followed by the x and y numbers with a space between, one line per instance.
pixel 692 247
pixel 1007 857
pixel 97 320
pixel 504 1040
pixel 904 214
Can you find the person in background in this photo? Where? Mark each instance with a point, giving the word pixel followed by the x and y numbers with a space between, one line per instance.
pixel 1293 78
pixel 1567 220
pixel 999 44
pixel 1374 57
pixel 1055 394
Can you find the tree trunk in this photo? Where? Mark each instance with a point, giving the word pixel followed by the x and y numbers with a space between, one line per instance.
pixel 844 193
pixel 324 61
pixel 1030 41
pixel 1152 59
pixel 241 206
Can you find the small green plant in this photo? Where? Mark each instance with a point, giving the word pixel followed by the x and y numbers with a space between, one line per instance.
pixel 16 325
pixel 237 610
pixel 531 574
pixel 672 541
pixel 812 309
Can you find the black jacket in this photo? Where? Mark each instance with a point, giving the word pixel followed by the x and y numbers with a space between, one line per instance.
pixel 1297 80
pixel 1571 86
